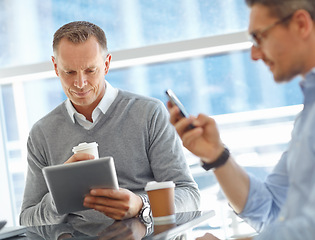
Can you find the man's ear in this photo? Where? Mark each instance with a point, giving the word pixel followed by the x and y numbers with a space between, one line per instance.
pixel 55 65
pixel 304 22
pixel 107 62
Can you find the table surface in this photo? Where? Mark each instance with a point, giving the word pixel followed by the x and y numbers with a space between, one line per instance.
pixel 126 229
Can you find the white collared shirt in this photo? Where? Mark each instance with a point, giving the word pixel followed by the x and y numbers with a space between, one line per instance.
pixel 108 98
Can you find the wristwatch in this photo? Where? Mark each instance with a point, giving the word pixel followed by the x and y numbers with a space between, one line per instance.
pixel 145 214
pixel 220 161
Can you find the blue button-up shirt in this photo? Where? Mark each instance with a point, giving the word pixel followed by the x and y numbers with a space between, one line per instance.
pixel 283 207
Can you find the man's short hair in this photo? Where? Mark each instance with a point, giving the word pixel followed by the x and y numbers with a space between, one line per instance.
pixel 283 8
pixel 79 32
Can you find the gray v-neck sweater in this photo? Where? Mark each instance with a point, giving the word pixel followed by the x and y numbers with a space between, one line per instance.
pixel 135 131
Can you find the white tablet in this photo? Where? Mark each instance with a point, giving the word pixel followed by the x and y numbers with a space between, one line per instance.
pixel 69 183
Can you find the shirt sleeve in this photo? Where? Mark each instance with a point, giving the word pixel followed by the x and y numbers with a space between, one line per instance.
pixel 266 198
pixel 301 227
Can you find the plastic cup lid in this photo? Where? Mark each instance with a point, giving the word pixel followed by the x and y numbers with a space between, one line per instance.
pixel 84 145
pixel 159 185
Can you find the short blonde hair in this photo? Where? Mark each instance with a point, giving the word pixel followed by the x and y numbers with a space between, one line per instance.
pixel 79 32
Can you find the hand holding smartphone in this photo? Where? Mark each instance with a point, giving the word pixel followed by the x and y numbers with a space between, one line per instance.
pixel 175 101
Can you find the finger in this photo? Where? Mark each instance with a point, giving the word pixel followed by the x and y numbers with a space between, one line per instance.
pixel 109 208
pixel 203 120
pixel 182 125
pixel 116 204
pixel 169 105
pixel 110 201
pixel 174 113
pixel 79 157
pixel 190 136
pixel 103 201
pixel 108 193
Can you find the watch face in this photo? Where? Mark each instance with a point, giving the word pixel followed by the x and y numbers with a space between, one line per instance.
pixel 146 215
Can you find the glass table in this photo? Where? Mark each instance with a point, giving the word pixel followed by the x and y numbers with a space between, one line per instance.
pixel 132 228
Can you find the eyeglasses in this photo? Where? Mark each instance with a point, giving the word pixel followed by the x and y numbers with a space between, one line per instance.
pixel 256 36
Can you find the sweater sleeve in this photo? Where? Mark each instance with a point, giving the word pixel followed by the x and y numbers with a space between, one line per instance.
pixel 38 207
pixel 168 161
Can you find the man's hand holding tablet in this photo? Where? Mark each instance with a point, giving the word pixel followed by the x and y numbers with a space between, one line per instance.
pixel 70 183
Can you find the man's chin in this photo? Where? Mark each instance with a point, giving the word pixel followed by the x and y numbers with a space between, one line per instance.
pixel 282 79
pixel 80 102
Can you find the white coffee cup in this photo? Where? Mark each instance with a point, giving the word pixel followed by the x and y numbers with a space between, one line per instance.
pixel 90 148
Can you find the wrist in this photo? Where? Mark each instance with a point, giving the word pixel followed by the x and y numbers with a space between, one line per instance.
pixel 220 161
pixel 213 153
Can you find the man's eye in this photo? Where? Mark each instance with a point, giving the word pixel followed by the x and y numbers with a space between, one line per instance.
pixel 90 71
pixel 70 72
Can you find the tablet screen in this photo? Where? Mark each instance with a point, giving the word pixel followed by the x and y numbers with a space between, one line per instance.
pixel 69 183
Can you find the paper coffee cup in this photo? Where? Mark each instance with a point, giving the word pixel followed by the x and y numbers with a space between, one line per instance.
pixel 90 148
pixel 162 201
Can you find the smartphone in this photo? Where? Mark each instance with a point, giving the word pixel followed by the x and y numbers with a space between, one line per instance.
pixel 175 101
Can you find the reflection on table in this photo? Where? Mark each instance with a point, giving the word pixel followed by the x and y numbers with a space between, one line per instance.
pixel 132 228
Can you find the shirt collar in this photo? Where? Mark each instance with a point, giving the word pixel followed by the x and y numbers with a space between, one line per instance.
pixel 309 77
pixel 308 86
pixel 310 73
pixel 108 98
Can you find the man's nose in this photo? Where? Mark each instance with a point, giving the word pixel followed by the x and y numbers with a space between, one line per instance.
pixel 81 81
pixel 256 53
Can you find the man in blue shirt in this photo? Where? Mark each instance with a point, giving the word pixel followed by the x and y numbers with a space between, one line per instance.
pixel 282 207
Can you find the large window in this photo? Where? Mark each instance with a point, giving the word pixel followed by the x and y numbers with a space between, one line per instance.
pixel 197 48
pixel 27 27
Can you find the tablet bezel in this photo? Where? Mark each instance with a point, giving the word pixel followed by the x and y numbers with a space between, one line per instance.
pixel 69 183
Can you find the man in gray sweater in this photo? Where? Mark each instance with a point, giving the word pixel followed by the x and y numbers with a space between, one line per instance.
pixel 135 130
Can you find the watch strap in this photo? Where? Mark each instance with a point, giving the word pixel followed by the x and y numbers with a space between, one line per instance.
pixel 145 205
pixel 220 161
pixel 144 199
pixel 144 220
